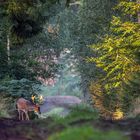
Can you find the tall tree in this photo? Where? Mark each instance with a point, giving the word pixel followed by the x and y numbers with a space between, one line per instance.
pixel 119 55
pixel 94 18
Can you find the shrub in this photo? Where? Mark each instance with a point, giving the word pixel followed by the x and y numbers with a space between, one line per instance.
pixel 81 113
pixel 19 88
pixel 6 106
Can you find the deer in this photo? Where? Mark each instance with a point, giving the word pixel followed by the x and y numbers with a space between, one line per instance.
pixel 24 106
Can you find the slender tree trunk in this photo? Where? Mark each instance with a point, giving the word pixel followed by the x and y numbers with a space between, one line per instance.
pixel 8 47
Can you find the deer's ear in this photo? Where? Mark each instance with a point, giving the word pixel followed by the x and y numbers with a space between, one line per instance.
pixel 33 97
pixel 41 97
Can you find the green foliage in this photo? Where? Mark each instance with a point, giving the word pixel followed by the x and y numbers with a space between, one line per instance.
pixel 3 61
pixel 118 53
pixel 11 90
pixel 94 18
pixel 24 17
pixel 129 7
pixel 131 91
pixel 80 26
pixel 22 20
pixel 85 133
pixel 3 53
pixel 77 114
pixel 7 107
pixel 16 69
pixel 19 88
pixel 118 57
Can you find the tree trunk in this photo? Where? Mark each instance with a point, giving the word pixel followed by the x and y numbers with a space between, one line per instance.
pixel 8 47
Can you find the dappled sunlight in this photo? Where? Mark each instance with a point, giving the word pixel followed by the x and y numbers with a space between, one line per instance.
pixel 118 115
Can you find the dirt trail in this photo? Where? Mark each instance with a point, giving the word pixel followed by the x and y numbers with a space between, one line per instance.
pixel 13 129
pixel 130 127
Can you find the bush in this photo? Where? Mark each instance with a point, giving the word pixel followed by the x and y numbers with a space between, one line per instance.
pixel 7 106
pixel 81 113
pixel 19 88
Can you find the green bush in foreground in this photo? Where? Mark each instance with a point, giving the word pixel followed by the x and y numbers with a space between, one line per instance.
pixel 87 133
pixel 77 114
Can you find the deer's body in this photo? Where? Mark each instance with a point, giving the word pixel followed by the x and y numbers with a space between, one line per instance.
pixel 24 106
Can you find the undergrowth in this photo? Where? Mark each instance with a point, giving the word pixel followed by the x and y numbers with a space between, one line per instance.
pixel 77 114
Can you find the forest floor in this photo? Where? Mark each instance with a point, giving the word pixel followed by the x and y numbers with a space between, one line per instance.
pixel 13 129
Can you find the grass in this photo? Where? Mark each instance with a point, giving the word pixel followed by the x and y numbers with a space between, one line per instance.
pixel 78 126
pixel 77 114
pixel 87 133
pixel 80 115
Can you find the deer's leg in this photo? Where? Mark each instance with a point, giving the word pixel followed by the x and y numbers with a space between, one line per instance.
pixel 22 113
pixel 27 116
pixel 19 114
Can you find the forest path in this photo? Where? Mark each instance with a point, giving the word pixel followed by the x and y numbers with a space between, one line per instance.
pixel 13 129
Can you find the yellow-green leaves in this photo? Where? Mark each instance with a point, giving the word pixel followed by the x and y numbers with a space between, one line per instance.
pixel 117 53
pixel 128 7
